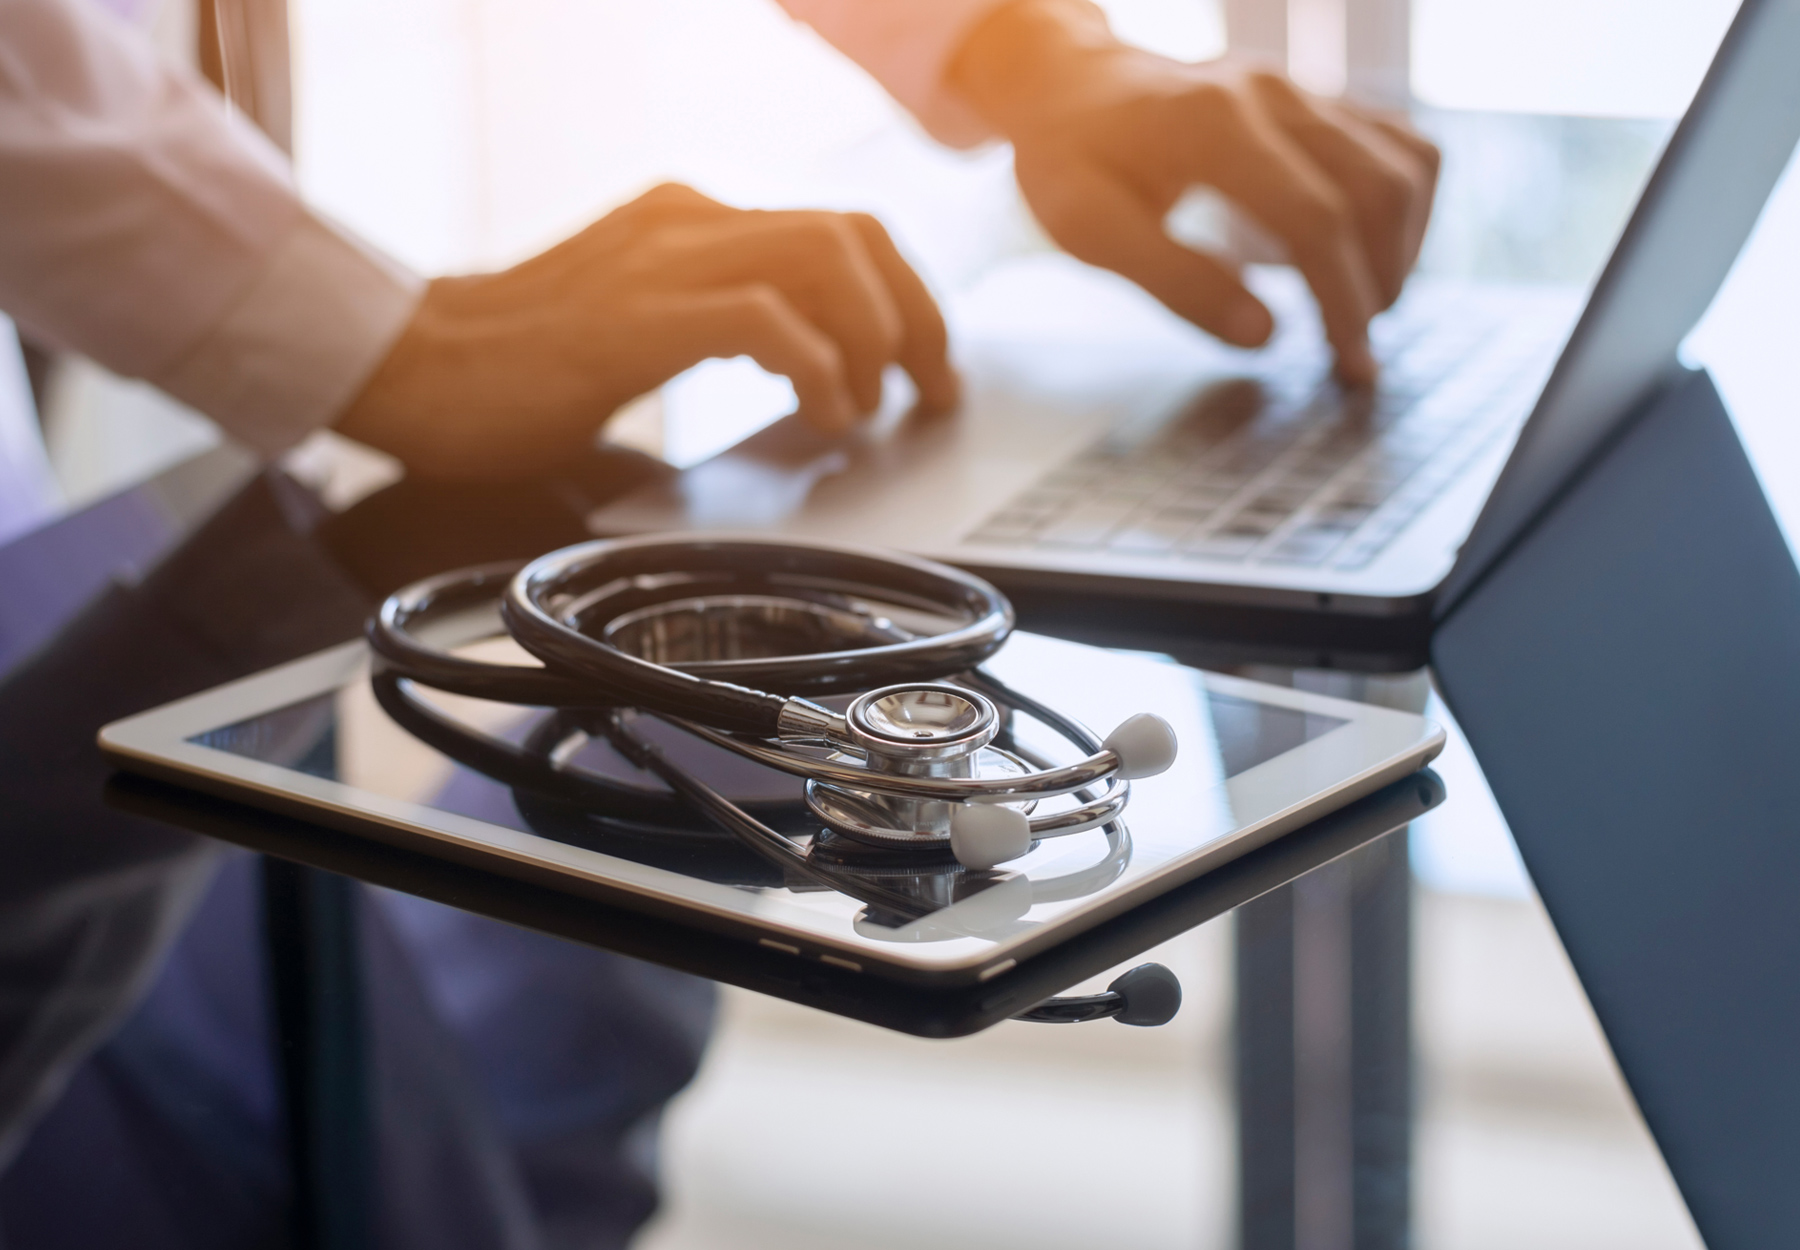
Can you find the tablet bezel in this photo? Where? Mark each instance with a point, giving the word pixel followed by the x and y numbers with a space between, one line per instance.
pixel 1375 746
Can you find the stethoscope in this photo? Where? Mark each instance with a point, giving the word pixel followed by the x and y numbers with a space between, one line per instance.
pixel 723 638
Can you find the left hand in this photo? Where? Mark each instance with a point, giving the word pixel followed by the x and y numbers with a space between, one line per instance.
pixel 508 375
pixel 1107 137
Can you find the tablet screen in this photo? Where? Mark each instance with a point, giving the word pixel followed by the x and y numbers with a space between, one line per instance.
pixel 346 736
pixel 310 737
pixel 1254 762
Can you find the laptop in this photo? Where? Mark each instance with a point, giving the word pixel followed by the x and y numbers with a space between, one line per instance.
pixel 1109 461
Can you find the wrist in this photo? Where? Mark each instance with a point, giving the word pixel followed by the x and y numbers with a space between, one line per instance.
pixel 402 407
pixel 1032 61
pixel 482 383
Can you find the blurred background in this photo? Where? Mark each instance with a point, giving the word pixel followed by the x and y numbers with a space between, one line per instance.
pixel 465 134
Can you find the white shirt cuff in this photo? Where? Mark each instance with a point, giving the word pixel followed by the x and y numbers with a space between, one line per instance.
pixel 301 342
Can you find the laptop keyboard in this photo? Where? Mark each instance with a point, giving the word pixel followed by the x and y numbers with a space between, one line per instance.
pixel 1255 471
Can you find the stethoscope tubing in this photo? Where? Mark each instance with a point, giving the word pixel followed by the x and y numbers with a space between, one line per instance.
pixel 392 634
pixel 531 767
pixel 538 770
pixel 546 603
pixel 542 609
pixel 734 819
pixel 562 607
pixel 1049 783
pixel 531 595
pixel 640 751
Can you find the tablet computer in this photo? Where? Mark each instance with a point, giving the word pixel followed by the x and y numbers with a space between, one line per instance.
pixel 312 739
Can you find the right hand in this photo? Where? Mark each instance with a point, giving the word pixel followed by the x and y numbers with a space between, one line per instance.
pixel 506 375
pixel 1107 137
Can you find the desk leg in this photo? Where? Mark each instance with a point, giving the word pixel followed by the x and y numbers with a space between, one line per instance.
pixel 1323 1040
pixel 1324 1057
pixel 1264 1047
pixel 1381 1043
pixel 316 972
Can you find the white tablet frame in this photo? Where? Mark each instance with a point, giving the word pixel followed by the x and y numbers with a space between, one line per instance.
pixel 1373 747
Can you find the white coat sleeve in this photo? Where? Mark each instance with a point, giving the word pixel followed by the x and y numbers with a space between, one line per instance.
pixel 142 225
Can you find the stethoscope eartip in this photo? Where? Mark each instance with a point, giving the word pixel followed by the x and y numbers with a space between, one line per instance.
pixel 1146 996
pixel 1145 745
pixel 1149 995
pixel 983 835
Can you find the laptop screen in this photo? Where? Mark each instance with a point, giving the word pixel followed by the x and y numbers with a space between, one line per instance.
pixel 1695 214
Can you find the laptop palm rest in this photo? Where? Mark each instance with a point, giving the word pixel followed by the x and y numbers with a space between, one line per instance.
pixel 1629 677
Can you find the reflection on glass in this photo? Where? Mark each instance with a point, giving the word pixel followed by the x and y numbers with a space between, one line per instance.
pixel 345 736
pixel 1250 733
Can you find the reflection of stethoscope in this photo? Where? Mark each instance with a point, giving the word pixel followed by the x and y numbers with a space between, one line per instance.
pixel 920 768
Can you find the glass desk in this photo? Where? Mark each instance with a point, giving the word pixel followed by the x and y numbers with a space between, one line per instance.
pixel 1350 998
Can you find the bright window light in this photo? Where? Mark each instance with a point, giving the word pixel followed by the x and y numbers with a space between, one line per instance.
pixel 1188 30
pixel 1589 58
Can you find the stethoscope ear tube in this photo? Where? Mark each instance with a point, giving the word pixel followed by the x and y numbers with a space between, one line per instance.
pixel 547 603
pixel 394 634
pixel 542 608
pixel 625 681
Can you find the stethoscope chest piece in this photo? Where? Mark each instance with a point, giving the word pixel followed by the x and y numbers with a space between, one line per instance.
pixel 922 729
pixel 916 730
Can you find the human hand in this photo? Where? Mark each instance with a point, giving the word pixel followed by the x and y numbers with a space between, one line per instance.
pixel 1108 137
pixel 508 374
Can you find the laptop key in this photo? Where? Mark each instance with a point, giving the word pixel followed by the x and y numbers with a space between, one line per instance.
pixel 1254 524
pixel 1340 514
pixel 1358 555
pixel 1154 534
pixel 1306 546
pixel 1232 547
pixel 1088 525
pixel 1005 532
pixel 1136 487
pixel 1283 497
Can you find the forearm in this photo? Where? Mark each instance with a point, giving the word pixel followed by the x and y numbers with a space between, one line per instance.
pixel 144 227
pixel 317 319
pixel 1029 59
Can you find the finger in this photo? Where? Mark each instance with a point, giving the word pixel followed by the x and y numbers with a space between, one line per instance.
pixel 754 320
pixel 674 201
pixel 1100 220
pixel 819 263
pixel 1390 193
pixel 1396 127
pixel 1388 189
pixel 1266 172
pixel 620 232
pixel 1430 161
pixel 924 340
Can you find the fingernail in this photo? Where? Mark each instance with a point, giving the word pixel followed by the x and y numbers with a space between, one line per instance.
pixel 867 401
pixel 831 417
pixel 943 394
pixel 1356 366
pixel 847 414
pixel 1249 324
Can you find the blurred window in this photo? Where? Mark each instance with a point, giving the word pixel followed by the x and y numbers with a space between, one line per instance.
pixel 1593 58
pixel 461 133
